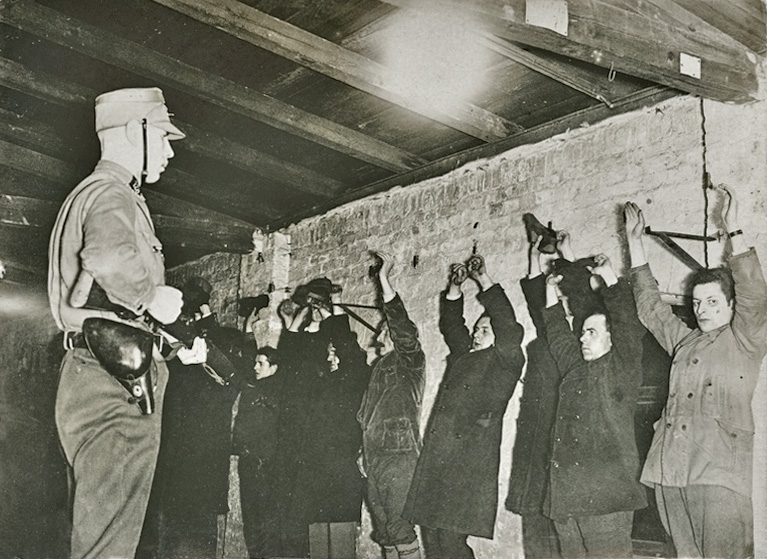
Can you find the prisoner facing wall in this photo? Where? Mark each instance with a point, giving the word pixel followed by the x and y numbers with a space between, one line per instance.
pixel 579 180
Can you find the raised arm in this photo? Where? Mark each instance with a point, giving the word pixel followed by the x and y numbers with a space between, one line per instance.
pixel 657 316
pixel 626 331
pixel 563 345
pixel 749 321
pixel 402 330
pixel 451 321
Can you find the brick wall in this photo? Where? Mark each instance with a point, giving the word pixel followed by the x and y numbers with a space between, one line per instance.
pixel 579 180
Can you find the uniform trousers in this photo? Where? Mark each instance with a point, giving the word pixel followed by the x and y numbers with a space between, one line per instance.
pixel 112 451
pixel 707 521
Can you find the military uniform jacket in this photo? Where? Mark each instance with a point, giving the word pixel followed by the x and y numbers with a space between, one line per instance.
pixel 455 485
pixel 391 405
pixel 594 466
pixel 706 433
pixel 104 229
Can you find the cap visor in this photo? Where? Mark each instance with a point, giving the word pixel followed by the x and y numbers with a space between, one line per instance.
pixel 173 132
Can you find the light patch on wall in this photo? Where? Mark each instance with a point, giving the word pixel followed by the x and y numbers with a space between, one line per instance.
pixel 433 55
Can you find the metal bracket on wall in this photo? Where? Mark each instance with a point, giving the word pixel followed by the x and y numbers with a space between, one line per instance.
pixel 358 318
pixel 665 237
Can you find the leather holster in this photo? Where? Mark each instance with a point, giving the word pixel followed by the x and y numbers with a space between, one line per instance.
pixel 125 353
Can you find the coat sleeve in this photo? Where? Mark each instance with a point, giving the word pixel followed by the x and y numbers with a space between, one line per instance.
pixel 534 291
pixel 563 345
pixel 626 331
pixel 404 336
pixel 508 332
pixel 499 384
pixel 749 323
pixel 453 327
pixel 656 315
pixel 111 251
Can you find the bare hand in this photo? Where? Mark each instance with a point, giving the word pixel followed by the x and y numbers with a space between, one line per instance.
pixel 476 266
pixel 458 273
pixel 563 245
pixel 166 304
pixel 601 261
pixel 553 280
pixel 194 355
pixel 387 262
pixel 730 206
pixel 634 221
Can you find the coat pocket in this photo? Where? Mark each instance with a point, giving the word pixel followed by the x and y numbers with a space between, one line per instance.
pixel 398 435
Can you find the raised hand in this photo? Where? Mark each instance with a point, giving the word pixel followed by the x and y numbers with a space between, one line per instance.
pixel 387 262
pixel 458 273
pixel 635 225
pixel 729 208
pixel 563 245
pixel 476 267
pixel 604 269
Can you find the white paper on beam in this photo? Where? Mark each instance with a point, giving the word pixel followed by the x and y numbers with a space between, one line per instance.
pixel 549 14
pixel 689 65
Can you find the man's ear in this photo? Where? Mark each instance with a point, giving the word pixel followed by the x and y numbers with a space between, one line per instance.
pixel 134 132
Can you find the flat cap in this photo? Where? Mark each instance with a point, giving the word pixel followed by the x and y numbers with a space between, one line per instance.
pixel 117 108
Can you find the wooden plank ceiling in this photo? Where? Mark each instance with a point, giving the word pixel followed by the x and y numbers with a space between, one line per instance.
pixel 290 108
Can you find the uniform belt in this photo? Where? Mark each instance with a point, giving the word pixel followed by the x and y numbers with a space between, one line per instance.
pixel 74 340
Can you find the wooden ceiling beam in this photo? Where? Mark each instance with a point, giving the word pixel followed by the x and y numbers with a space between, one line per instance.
pixel 591 115
pixel 630 42
pixel 215 232
pixel 323 56
pixel 27 212
pixel 51 25
pixel 573 76
pixel 49 88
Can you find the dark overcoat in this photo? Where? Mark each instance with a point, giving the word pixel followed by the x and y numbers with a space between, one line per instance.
pixel 594 460
pixel 537 410
pixel 320 436
pixel 455 485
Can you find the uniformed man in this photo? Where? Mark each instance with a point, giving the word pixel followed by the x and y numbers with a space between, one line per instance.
pixel 104 239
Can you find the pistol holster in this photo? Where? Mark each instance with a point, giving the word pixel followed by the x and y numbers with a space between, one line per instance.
pixel 125 353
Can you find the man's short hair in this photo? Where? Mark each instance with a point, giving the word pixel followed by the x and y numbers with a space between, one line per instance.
pixel 271 354
pixel 597 310
pixel 719 275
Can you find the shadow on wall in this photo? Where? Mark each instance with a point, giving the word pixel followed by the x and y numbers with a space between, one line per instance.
pixel 33 481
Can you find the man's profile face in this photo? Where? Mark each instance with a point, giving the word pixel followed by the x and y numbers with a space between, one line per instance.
pixel 595 337
pixel 483 336
pixel 710 306
pixel 158 153
pixel 263 368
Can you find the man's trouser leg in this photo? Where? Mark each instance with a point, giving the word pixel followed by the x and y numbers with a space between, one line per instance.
pixel 112 449
pixel 388 484
pixel 442 544
pixel 707 521
pixel 539 537
pixel 599 536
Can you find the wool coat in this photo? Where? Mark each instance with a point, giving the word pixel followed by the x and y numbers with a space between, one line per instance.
pixel 319 434
pixel 455 485
pixel 594 466
pixel 537 410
